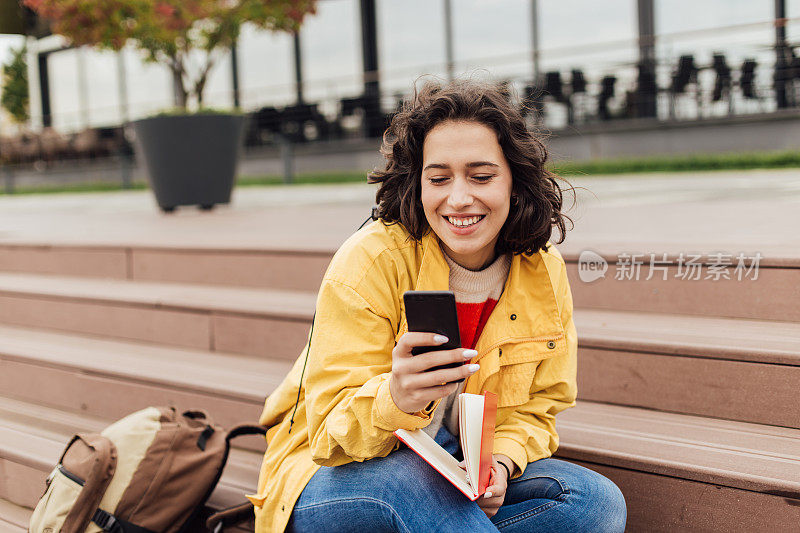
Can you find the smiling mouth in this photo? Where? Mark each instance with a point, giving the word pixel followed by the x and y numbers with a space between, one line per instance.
pixel 464 222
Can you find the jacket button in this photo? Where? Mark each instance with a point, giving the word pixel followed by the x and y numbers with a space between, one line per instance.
pixel 500 354
pixel 551 344
pixel 281 507
pixel 513 317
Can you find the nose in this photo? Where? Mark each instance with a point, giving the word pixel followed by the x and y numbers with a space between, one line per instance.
pixel 460 194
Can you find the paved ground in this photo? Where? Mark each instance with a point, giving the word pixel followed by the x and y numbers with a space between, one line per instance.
pixel 742 211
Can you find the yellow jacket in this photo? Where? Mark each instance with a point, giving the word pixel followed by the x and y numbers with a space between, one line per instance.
pixel 527 352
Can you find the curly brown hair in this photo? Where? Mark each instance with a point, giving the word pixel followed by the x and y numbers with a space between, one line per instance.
pixel 539 197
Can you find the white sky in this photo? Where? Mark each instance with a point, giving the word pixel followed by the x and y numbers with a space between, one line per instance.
pixel 490 36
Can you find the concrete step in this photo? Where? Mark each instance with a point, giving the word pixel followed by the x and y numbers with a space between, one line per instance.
pixel 681 472
pixel 745 370
pixel 109 379
pixel 29 449
pixel 767 292
pixel 648 453
pixel 13 518
pixel 288 269
pixel 263 322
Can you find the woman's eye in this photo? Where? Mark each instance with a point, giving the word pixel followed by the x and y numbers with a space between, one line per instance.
pixel 481 178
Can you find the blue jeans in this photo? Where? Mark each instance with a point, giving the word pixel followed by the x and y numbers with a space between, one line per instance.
pixel 401 492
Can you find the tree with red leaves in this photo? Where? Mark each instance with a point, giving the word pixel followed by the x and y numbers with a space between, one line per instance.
pixel 189 36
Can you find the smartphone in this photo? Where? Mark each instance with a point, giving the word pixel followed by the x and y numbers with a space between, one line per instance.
pixel 434 312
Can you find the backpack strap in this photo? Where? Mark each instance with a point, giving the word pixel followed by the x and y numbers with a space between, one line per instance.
pixel 239 513
pixel 238 431
pixel 110 523
pixel 245 429
pixel 103 456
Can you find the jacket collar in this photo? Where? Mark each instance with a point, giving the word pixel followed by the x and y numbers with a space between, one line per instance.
pixel 528 295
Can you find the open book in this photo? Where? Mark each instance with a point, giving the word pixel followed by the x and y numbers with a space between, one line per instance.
pixel 476 417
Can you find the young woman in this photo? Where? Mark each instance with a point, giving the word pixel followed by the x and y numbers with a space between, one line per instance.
pixel 466 205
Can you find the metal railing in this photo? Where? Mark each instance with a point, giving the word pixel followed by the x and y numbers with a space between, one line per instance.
pixel 676 88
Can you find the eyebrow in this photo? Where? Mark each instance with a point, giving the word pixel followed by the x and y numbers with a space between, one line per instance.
pixel 473 164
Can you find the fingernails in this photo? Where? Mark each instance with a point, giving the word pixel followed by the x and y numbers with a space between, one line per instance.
pixel 440 339
pixel 469 354
pixel 487 495
pixel 473 368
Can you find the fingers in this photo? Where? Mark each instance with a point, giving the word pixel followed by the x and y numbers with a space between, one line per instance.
pixel 426 361
pixel 495 494
pixel 491 501
pixel 410 339
pixel 431 394
pixel 496 488
pixel 412 384
pixel 419 398
pixel 493 498
pixel 495 491
pixel 446 375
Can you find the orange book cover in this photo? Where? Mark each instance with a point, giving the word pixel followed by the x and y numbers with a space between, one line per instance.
pixel 487 440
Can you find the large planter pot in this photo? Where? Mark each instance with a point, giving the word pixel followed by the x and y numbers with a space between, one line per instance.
pixel 190 159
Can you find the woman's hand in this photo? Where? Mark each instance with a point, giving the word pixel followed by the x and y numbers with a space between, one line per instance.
pixel 412 386
pixel 495 494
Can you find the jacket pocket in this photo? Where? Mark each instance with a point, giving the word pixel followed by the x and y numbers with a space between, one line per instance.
pixel 513 383
pixel 518 363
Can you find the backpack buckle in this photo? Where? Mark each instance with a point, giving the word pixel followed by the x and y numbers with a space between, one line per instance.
pixel 106 521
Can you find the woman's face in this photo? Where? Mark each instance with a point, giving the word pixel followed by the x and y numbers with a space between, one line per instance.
pixel 466 190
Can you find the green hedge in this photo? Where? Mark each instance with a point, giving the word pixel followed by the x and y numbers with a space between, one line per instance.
pixel 304 179
pixel 692 163
pixel 73 187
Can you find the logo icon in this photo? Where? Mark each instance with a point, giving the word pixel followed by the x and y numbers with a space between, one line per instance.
pixel 591 266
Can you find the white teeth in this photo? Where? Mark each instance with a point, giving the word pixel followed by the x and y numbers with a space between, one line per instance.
pixel 461 222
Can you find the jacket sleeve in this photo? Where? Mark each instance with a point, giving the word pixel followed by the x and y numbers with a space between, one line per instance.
pixel 350 412
pixel 529 433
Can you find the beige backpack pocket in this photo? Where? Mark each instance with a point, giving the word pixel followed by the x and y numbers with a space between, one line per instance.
pixel 76 485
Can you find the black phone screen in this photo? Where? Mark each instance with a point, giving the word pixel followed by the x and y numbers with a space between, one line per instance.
pixel 433 312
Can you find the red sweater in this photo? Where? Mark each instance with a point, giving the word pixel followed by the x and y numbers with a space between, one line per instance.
pixel 471 319
pixel 477 293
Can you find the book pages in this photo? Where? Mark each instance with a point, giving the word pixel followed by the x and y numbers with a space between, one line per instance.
pixel 438 458
pixel 476 422
pixel 471 426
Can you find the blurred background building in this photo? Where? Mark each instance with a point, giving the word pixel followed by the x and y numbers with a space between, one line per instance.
pixel 613 79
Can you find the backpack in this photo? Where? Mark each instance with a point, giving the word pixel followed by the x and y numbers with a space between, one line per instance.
pixel 150 472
